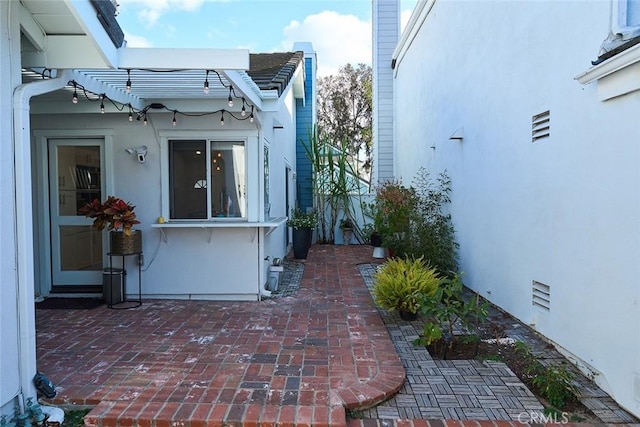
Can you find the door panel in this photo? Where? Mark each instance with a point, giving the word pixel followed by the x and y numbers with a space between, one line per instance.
pixel 75 178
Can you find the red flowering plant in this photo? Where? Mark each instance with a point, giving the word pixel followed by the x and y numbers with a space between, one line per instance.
pixel 114 212
pixel 395 204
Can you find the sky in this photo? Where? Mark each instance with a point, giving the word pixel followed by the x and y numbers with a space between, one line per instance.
pixel 340 30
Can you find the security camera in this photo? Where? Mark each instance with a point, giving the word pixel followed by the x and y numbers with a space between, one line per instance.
pixel 141 152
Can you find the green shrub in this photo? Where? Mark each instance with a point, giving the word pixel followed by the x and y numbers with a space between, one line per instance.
pixel 553 382
pixel 430 233
pixel 446 307
pixel 400 283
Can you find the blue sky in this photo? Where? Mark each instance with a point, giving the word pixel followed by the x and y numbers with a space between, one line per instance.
pixel 340 30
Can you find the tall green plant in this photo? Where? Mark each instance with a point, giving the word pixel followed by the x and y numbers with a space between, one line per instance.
pixel 334 183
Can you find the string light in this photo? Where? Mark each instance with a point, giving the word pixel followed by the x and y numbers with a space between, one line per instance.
pixel 142 113
pixel 206 83
pixel 75 94
pixel 230 103
pixel 128 86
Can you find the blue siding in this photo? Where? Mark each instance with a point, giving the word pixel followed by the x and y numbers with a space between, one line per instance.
pixel 304 123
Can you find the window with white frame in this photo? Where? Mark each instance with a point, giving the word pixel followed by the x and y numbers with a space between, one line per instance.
pixel 625 26
pixel 628 18
pixel 207 179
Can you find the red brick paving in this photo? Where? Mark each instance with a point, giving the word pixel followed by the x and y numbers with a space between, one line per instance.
pixel 299 360
pixel 295 361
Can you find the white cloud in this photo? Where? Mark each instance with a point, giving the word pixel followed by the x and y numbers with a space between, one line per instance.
pixel 136 41
pixel 337 39
pixel 149 11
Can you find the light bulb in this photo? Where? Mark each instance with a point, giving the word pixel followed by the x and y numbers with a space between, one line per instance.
pixel 75 97
pixel 128 85
pixel 102 107
pixel 244 111
pixel 130 116
pixel 173 122
pixel 230 103
pixel 206 86
pixel 145 120
pixel 251 118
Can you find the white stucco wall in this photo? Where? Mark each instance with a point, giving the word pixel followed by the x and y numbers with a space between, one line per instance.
pixel 564 211
pixel 192 263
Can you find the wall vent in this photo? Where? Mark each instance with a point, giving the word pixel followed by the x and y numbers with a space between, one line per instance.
pixel 540 124
pixel 541 296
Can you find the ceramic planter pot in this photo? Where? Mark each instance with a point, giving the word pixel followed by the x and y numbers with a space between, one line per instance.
pixel 121 244
pixel 301 242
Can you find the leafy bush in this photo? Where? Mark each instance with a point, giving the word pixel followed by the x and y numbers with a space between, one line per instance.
pixel 400 283
pixel 554 382
pixel 413 221
pixel 301 219
pixel 446 307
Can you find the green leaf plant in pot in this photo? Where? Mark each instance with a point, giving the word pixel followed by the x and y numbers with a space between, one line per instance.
pixel 302 224
pixel 400 284
pixel 119 218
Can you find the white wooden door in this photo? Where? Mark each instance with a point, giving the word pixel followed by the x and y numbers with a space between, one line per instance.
pixel 76 177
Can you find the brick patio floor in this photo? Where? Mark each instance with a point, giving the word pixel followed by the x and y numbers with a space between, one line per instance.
pixel 297 360
pixel 303 359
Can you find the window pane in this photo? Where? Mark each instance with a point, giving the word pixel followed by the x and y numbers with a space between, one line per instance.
pixel 228 180
pixel 633 13
pixel 78 179
pixel 187 179
pixel 80 248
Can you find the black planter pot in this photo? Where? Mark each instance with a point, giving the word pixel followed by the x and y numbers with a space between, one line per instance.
pixel 376 240
pixel 301 242
pixel 407 315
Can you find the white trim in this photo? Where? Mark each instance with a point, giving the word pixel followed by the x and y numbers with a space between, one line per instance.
pixel 41 138
pixel 611 65
pixel 249 137
pixel 417 19
pixel 187 59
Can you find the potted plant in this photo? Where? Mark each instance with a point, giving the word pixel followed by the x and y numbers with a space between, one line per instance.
pixel 400 284
pixel 119 217
pixel 346 225
pixel 302 224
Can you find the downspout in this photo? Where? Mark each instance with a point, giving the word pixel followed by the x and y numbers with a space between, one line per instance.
pixel 24 224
